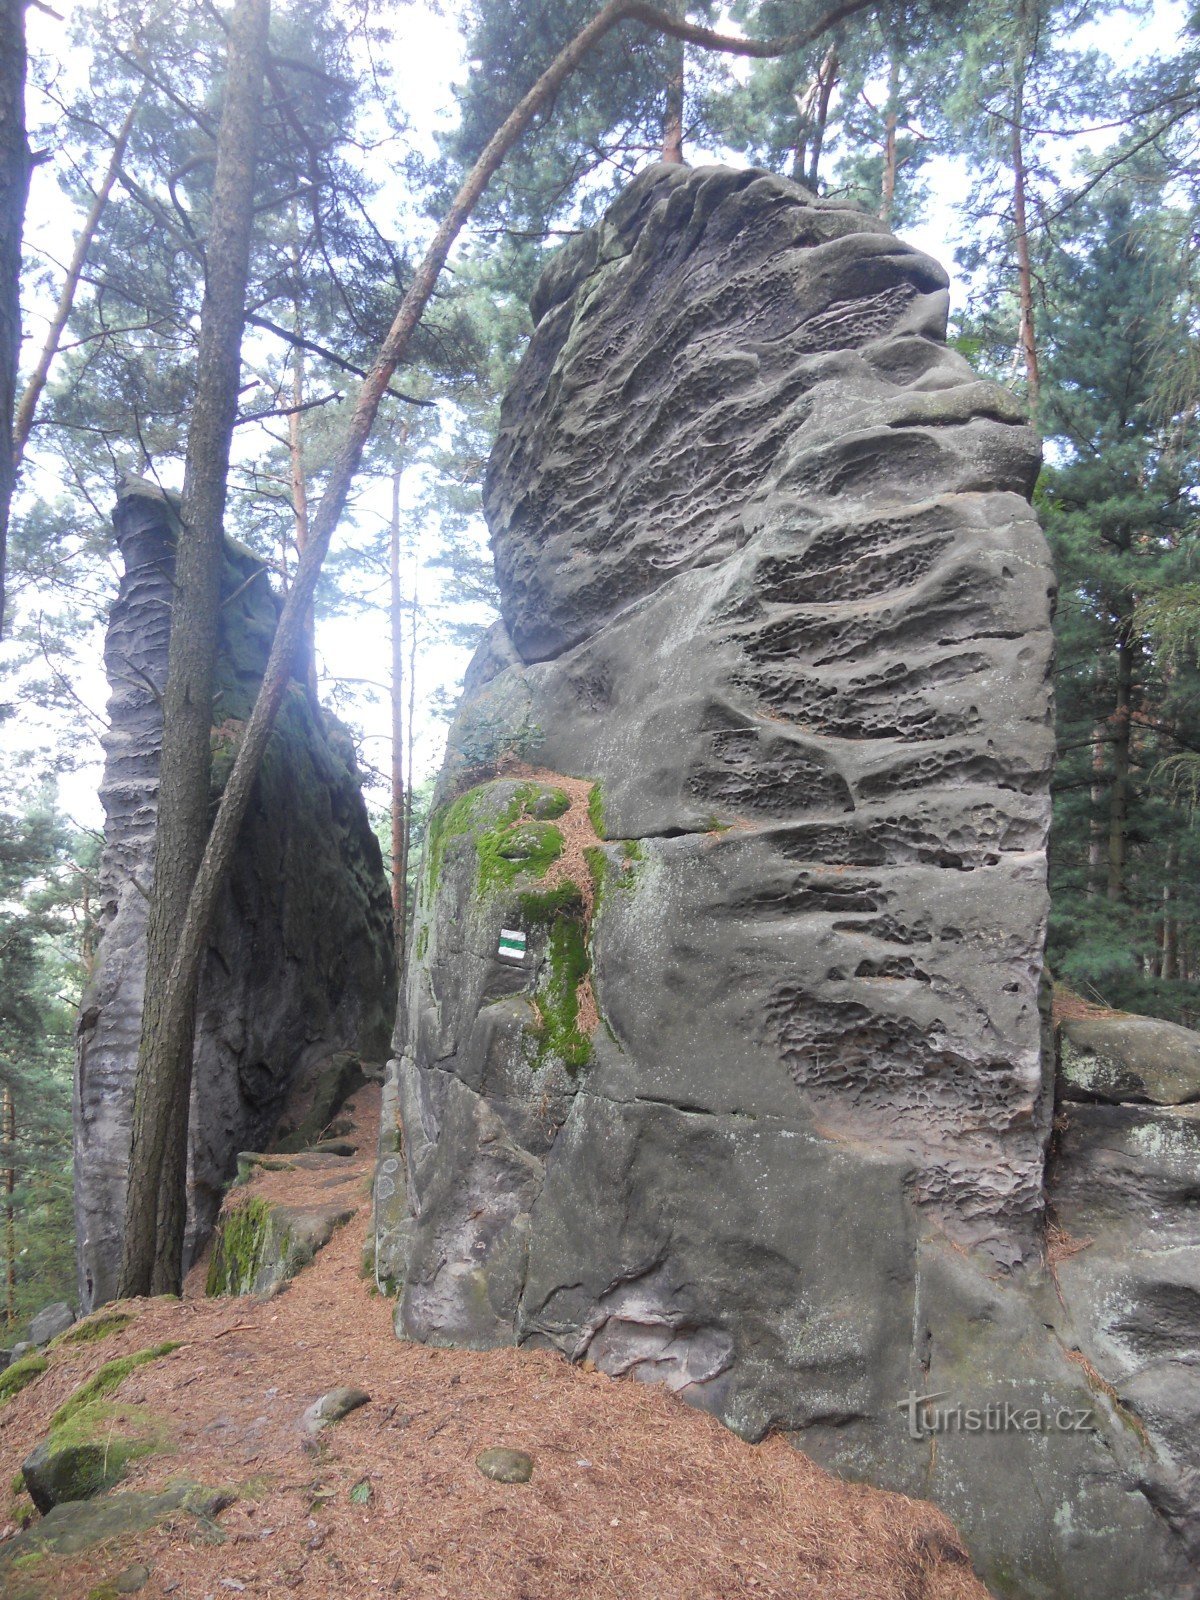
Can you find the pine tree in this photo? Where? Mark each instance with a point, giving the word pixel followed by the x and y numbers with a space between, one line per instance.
pixel 1117 500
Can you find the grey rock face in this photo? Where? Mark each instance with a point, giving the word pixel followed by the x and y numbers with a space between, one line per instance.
pixel 299 962
pixel 763 1112
pixel 50 1321
pixel 1129 1058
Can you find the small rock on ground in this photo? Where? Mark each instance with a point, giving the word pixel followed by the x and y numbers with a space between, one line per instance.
pixel 332 1407
pixel 505 1466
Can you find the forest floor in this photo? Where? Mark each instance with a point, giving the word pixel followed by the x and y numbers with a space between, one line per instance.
pixel 633 1494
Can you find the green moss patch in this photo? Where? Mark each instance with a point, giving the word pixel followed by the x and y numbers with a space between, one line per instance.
pixel 596 810
pixel 514 848
pixel 240 1250
pixel 92 1450
pixel 109 1378
pixel 520 841
pixel 549 804
pixel 563 899
pixel 558 1034
pixel 13 1379
pixel 94 1328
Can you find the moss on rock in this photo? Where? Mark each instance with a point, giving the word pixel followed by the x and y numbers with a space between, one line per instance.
pixel 558 1033
pixel 94 1328
pixel 518 840
pixel 240 1249
pixel 91 1451
pixel 13 1379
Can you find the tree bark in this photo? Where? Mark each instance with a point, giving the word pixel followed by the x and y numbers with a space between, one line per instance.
pixel 891 121
pixel 178 965
pixel 1169 967
pixel 14 189
pixel 66 299
pixel 300 488
pixel 827 81
pixel 156 1205
pixel 1097 826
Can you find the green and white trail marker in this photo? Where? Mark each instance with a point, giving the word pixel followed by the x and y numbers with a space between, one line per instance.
pixel 512 945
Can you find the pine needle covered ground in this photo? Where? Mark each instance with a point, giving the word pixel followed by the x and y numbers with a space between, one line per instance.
pixel 633 1493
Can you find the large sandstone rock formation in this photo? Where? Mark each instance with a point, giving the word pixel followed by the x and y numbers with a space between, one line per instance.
pixel 300 955
pixel 755 769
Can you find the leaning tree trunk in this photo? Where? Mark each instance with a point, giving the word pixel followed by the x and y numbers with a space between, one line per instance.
pixel 168 1054
pixel 156 1205
pixel 891 123
pixel 14 187
pixel 827 78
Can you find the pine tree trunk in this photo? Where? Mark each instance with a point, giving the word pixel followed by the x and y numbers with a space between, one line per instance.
pixel 9 1111
pixel 412 730
pixel 826 81
pixel 672 145
pixel 1169 968
pixel 1118 794
pixel 14 188
pixel 891 121
pixel 1097 826
pixel 156 1203
pixel 300 491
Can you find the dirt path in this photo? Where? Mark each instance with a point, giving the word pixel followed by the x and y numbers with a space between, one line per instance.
pixel 633 1494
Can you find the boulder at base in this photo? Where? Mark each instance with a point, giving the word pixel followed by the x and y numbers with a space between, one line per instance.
pixel 1124 1057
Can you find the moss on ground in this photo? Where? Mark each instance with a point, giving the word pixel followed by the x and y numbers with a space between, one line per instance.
pixel 13 1379
pixel 241 1244
pixel 106 1380
pixel 94 1328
